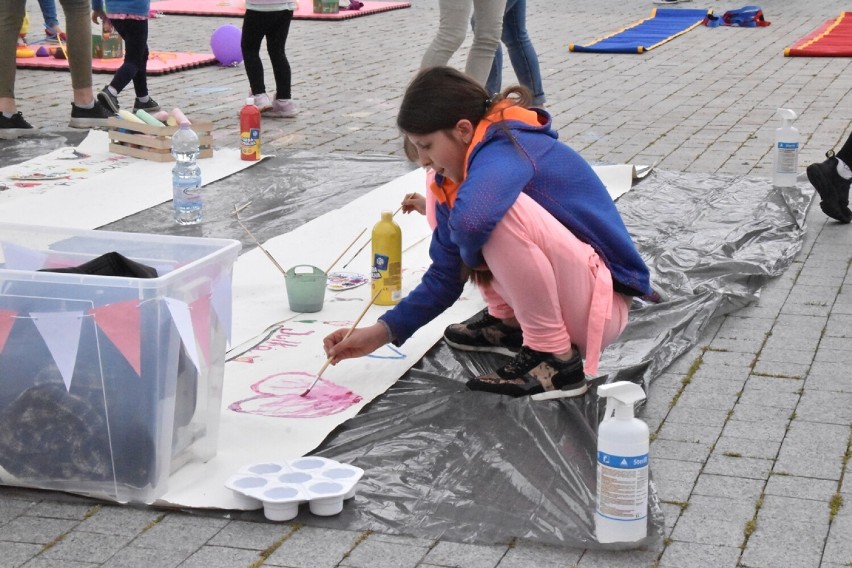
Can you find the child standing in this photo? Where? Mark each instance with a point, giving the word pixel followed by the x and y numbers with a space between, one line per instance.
pixel 533 224
pixel 130 19
pixel 270 19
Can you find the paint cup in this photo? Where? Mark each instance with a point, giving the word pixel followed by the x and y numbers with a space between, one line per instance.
pixel 306 288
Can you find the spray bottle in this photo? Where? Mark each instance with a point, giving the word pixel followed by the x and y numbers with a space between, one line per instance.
pixel 621 513
pixel 786 150
pixel 387 261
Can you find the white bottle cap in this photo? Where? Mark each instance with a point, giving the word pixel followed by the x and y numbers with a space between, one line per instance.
pixel 250 101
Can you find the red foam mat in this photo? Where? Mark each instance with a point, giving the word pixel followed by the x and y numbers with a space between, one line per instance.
pixel 831 39
pixel 304 11
pixel 159 62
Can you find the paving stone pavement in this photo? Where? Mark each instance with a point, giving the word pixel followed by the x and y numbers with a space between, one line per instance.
pixel 751 427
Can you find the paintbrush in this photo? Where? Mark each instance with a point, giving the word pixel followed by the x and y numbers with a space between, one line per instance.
pixel 354 256
pixel 348 333
pixel 260 246
pixel 336 260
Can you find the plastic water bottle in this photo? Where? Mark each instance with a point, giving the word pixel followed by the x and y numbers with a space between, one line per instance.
pixel 621 512
pixel 786 150
pixel 186 176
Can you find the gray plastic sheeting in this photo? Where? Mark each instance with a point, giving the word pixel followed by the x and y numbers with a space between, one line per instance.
pixel 444 462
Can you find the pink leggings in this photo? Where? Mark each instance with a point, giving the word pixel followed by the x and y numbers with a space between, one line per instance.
pixel 554 284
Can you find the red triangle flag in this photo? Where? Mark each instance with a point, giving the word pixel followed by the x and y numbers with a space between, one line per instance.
pixel 200 312
pixel 7 320
pixel 120 323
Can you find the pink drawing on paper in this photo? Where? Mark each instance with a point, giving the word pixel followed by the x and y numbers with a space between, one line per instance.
pixel 280 396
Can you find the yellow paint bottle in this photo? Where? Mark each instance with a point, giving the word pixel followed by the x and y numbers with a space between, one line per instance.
pixel 387 261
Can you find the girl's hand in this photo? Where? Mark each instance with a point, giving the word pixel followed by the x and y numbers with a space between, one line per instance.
pixel 362 341
pixel 414 202
pixel 98 16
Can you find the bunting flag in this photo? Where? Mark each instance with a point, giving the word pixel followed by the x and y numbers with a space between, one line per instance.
pixel 199 311
pixel 61 333
pixel 7 320
pixel 221 301
pixel 183 323
pixel 120 322
pixel 23 258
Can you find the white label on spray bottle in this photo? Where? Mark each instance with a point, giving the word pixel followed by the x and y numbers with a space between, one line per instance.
pixel 621 479
pixel 788 157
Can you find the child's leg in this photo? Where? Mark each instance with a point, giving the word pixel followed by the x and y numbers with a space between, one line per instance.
pixel 48 11
pixel 135 35
pixel 276 42
pixel 254 28
pixel 559 289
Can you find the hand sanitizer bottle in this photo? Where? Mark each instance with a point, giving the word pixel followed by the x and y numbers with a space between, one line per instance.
pixel 786 150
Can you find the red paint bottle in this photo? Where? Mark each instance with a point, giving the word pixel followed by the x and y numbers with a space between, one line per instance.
pixel 250 131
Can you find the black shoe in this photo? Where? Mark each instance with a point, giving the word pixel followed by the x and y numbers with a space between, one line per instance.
pixel 484 332
pixel 535 372
pixel 833 190
pixel 109 100
pixel 95 117
pixel 149 107
pixel 14 127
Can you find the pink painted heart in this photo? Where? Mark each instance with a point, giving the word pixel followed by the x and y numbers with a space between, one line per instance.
pixel 280 396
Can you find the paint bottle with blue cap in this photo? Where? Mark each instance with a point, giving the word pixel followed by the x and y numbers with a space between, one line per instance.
pixel 621 511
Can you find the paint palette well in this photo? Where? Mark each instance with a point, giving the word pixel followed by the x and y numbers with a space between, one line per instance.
pixel 282 486
pixel 338 281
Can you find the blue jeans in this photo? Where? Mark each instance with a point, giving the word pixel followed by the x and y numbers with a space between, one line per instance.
pixel 48 12
pixel 521 53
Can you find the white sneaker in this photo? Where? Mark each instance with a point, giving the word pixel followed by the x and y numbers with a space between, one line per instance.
pixel 282 108
pixel 262 102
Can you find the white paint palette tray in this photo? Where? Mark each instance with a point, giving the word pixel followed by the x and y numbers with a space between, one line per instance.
pixel 282 486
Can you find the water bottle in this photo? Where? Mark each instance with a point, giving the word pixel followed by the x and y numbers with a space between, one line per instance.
pixel 186 176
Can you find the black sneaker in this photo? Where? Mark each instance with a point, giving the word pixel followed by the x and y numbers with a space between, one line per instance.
pixel 833 190
pixel 149 107
pixel 484 332
pixel 534 372
pixel 95 117
pixel 14 127
pixel 109 100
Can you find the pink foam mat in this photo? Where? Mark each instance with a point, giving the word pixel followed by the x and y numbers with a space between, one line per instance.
pixel 159 62
pixel 304 11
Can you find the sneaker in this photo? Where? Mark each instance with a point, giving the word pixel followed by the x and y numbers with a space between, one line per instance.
pixel 534 372
pixel 95 117
pixel 149 106
pixel 262 102
pixel 109 100
pixel 14 127
pixel 833 190
pixel 484 332
pixel 55 33
pixel 282 108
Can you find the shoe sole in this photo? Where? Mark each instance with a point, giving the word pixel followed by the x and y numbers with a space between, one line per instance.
pixel 562 393
pixel 14 133
pixel 88 123
pixel 483 349
pixel 272 114
pixel 829 206
pixel 108 102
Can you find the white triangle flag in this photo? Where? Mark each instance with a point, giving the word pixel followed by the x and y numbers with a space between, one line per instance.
pixel 183 323
pixel 23 258
pixel 61 333
pixel 221 299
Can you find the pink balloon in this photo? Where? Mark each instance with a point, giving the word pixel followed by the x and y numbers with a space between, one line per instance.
pixel 225 43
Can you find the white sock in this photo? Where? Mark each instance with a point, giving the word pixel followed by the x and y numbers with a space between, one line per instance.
pixel 112 90
pixel 144 99
pixel 843 170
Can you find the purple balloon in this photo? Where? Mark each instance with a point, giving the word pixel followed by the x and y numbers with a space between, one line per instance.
pixel 225 43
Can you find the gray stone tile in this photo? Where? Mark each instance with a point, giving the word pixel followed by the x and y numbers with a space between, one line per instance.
pixel 681 451
pixel 706 399
pixel 774 384
pixel 12 508
pixel 767 548
pixel 829 376
pixel 770 398
pixel 813 450
pixel 618 559
pixel 822 406
pixel 136 557
pixel 221 557
pixel 119 520
pixel 671 514
pixel 256 536
pixel 728 487
pixel 770 430
pixel 14 554
pixel 781 369
pixel 838 546
pixel 86 547
pixel 697 416
pixel 381 554
pixel 750 468
pixel 695 529
pixel 180 532
pixel 685 432
pixel 468 555
pixel 759 413
pixel 745 448
pixel 693 555
pixel 58 510
pixel 801 487
pixel 525 554
pixel 42 562
pixel 36 530
pixel 312 547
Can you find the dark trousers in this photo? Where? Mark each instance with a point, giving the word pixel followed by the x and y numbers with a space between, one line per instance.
pixel 134 68
pixel 274 26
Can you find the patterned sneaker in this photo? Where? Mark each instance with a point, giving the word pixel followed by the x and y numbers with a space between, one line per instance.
pixel 282 108
pixel 11 128
pixel 534 372
pixel 149 106
pixel 109 100
pixel 95 117
pixel 833 190
pixel 484 332
pixel 262 102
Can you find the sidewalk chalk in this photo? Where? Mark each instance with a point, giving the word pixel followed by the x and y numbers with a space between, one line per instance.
pixel 129 116
pixel 148 119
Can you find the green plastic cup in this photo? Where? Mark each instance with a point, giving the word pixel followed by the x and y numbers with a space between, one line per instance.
pixel 306 288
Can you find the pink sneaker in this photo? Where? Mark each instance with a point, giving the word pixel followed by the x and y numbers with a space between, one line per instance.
pixel 283 108
pixel 262 102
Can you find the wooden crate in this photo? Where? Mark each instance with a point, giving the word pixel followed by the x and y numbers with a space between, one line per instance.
pixel 154 142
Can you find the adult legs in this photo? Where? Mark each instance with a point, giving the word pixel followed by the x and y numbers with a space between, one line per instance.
pixel 486 38
pixel 79 46
pixel 11 16
pixel 254 28
pixel 134 67
pixel 452 29
pixel 276 43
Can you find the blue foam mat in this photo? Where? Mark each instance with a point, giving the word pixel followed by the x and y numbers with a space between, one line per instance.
pixel 663 25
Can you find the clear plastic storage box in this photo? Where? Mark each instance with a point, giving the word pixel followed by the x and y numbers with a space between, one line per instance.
pixel 108 384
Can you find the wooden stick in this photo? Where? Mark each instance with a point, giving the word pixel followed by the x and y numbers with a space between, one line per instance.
pixel 260 246
pixel 336 260
pixel 348 333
